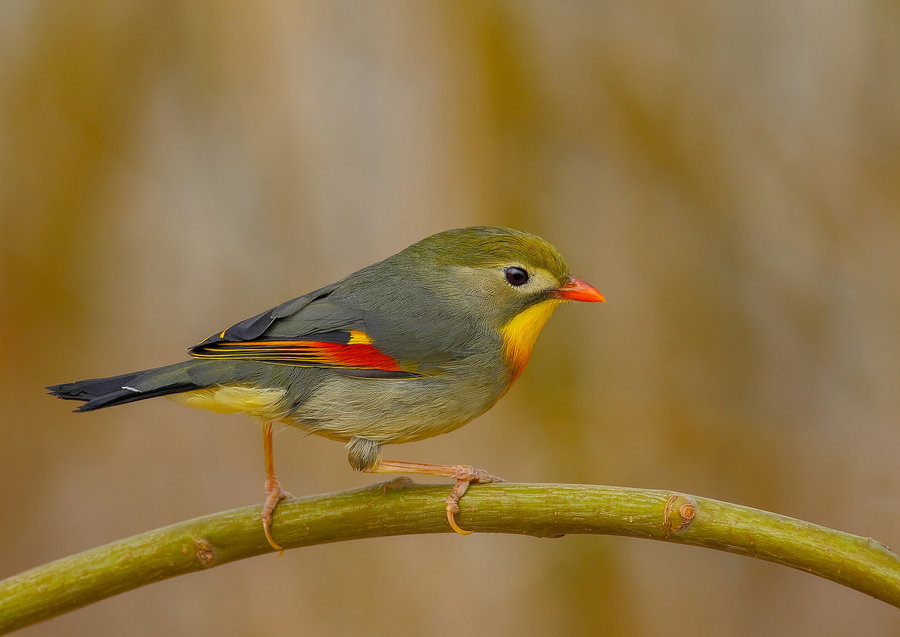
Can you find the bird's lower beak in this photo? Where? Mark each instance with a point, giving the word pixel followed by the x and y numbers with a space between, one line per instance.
pixel 577 290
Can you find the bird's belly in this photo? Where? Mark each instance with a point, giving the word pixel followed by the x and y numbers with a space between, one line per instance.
pixel 392 410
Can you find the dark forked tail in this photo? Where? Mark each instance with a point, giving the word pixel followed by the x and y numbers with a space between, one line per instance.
pixel 126 388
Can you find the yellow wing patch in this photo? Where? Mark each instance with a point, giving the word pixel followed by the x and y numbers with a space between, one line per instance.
pixel 522 331
pixel 232 399
pixel 358 337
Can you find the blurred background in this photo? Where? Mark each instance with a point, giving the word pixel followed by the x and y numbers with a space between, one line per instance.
pixel 727 174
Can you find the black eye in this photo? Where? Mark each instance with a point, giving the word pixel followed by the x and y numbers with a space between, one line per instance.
pixel 516 276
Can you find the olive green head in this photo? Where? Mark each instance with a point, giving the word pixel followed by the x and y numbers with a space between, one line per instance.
pixel 484 246
pixel 492 273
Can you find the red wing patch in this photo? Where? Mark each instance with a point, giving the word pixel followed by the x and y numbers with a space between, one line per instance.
pixel 356 352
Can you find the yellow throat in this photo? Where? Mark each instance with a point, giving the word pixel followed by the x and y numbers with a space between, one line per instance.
pixel 522 331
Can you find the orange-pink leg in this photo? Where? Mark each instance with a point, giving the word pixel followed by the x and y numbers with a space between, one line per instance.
pixel 274 492
pixel 463 474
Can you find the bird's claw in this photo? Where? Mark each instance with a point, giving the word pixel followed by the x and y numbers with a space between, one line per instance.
pixel 274 495
pixel 465 475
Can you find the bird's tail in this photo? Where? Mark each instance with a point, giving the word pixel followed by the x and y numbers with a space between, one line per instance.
pixel 125 388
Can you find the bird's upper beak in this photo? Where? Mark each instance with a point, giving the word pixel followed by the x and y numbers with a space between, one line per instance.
pixel 577 290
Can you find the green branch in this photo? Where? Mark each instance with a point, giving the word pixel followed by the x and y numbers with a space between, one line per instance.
pixel 401 507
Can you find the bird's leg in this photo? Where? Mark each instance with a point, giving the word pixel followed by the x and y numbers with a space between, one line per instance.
pixel 274 492
pixel 463 474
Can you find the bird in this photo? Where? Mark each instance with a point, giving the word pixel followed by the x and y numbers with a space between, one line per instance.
pixel 410 347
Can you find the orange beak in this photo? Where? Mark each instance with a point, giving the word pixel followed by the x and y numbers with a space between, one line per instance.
pixel 577 290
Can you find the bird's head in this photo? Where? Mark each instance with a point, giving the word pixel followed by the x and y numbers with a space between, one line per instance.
pixel 508 280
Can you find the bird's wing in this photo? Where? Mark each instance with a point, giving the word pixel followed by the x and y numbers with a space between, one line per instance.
pixel 313 330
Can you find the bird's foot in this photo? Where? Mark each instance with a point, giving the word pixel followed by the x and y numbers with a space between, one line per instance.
pixel 274 495
pixel 465 475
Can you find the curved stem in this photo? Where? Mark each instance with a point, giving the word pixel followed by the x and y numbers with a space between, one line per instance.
pixel 400 507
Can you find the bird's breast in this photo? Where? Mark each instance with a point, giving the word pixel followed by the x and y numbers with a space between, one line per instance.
pixel 398 410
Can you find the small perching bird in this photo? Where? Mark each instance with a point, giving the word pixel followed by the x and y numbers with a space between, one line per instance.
pixel 407 348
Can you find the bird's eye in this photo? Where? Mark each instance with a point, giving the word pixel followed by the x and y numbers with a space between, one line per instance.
pixel 516 276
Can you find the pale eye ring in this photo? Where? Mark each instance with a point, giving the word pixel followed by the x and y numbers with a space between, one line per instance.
pixel 516 276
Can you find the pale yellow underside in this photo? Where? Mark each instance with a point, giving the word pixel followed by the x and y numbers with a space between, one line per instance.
pixel 261 403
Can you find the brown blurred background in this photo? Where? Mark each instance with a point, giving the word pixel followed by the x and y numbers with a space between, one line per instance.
pixel 726 173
